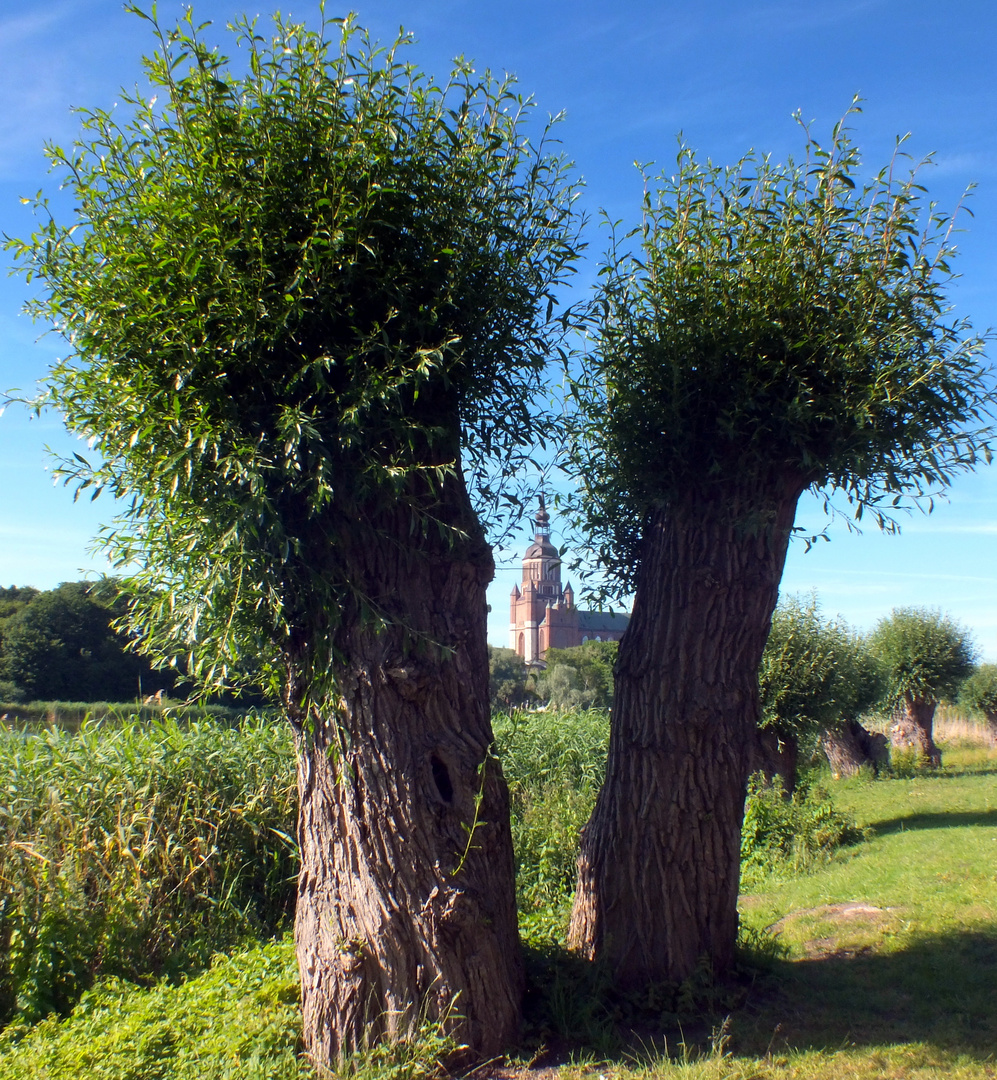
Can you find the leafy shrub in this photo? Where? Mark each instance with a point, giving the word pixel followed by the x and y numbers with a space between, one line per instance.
pixel 240 1019
pixel 138 852
pixel 906 763
pixel 790 833
pixel 546 825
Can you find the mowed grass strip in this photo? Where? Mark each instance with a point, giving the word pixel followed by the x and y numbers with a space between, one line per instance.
pixel 892 948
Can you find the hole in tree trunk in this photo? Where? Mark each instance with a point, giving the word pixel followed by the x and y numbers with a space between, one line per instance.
pixel 441 775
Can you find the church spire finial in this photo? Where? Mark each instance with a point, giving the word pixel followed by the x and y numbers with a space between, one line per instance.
pixel 542 520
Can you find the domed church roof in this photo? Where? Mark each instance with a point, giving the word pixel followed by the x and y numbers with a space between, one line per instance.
pixel 541 548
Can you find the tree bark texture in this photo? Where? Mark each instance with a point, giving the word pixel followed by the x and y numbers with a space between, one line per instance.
pixel 775 754
pixel 850 746
pixel 659 864
pixel 406 897
pixel 912 728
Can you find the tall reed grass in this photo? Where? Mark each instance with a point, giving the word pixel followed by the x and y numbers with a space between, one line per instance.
pixel 554 762
pixel 138 850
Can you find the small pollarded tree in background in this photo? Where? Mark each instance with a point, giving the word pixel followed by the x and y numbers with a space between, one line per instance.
pixel 816 678
pixel 766 330
pixel 308 306
pixel 925 656
pixel 979 693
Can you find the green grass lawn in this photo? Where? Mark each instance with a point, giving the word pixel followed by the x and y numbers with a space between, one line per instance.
pixel 890 963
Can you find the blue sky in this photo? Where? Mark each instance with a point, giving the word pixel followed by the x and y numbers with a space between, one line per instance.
pixel 629 77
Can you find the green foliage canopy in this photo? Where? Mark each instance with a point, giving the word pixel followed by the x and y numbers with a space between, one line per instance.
pixel 777 326
pixel 61 644
pixel 297 298
pixel 580 676
pixel 506 678
pixel 979 691
pixel 815 672
pixel 924 653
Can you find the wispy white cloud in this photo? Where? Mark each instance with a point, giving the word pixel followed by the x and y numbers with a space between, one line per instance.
pixel 788 18
pixel 942 528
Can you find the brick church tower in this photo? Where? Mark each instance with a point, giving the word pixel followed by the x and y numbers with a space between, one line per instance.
pixel 542 614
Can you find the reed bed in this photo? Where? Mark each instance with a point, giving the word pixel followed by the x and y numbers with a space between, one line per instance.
pixel 138 850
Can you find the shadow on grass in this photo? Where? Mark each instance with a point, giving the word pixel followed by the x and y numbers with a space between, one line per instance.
pixel 915 821
pixel 941 989
pixel 955 772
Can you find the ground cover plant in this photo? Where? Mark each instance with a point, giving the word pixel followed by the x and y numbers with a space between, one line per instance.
pixel 241 1019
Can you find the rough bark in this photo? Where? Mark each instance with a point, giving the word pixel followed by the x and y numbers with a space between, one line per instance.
pixel 850 746
pixel 659 863
pixel 912 728
pixel 406 901
pixel 775 754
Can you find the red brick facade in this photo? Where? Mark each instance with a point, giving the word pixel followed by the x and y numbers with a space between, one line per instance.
pixel 543 614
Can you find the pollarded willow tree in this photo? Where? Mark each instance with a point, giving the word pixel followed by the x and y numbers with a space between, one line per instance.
pixel 304 303
pixel 925 656
pixel 979 693
pixel 816 677
pixel 771 330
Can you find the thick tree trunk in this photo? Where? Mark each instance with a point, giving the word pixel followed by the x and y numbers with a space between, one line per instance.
pixel 775 754
pixel 406 898
pixel 659 864
pixel 850 746
pixel 911 730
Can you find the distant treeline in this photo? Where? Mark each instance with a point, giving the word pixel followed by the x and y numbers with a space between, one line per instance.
pixel 62 645
pixel 59 644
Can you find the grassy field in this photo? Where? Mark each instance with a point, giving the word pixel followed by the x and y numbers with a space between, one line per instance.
pixel 879 963
pixel 890 962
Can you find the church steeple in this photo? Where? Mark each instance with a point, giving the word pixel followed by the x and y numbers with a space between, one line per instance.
pixel 542 520
pixel 542 612
pixel 542 564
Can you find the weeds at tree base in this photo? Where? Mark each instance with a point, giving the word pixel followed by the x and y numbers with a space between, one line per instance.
pixel 573 1002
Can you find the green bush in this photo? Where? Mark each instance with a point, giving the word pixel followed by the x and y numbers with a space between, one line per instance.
pixel 579 677
pixel 240 1019
pixel 138 851
pixel 793 834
